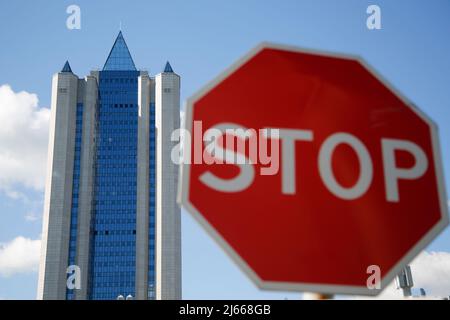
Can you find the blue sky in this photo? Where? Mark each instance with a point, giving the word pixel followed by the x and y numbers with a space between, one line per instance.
pixel 200 39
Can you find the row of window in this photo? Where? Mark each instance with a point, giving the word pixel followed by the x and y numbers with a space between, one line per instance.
pixel 124 181
pixel 123 194
pixel 119 140
pixel 117 148
pixel 111 296
pixel 118 80
pixel 115 114
pixel 114 232
pixel 107 202
pixel 113 284
pixel 105 94
pixel 119 131
pixel 117 194
pixel 106 103
pixel 114 265
pixel 118 209
pixel 119 221
pixel 126 253
pixel 120 275
pixel 124 174
pixel 101 242
pixel 118 202
pixel 120 122
pixel 117 156
pixel 115 183
pixel 116 165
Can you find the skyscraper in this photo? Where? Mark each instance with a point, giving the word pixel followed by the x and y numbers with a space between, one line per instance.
pixel 110 207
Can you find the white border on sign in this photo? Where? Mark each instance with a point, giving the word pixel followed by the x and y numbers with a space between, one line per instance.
pixel 183 187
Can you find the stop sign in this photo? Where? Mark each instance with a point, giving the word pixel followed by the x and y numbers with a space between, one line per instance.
pixel 351 181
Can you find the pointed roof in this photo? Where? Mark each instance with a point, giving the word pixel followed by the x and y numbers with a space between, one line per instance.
pixel 66 67
pixel 168 67
pixel 119 57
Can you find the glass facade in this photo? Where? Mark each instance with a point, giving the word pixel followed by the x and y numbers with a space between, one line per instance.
pixel 112 251
pixel 75 188
pixel 152 204
pixel 114 222
pixel 119 58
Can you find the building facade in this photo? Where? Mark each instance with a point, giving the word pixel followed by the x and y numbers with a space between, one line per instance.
pixel 111 223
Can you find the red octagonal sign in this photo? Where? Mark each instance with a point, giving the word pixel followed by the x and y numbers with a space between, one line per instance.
pixel 312 171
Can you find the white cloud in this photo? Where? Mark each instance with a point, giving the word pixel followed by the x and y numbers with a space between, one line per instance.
pixel 21 255
pixel 431 271
pixel 23 141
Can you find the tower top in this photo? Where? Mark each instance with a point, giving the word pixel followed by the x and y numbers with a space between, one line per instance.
pixel 119 57
pixel 66 67
pixel 168 67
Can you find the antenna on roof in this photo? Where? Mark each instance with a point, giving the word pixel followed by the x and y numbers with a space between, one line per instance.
pixel 120 26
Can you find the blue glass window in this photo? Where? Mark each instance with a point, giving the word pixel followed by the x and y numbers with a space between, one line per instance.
pixel 113 237
pixel 70 295
pixel 152 209
pixel 119 59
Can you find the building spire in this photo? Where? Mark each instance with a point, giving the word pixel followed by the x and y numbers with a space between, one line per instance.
pixel 66 67
pixel 119 57
pixel 168 67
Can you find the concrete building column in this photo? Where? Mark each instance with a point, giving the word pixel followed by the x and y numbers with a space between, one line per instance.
pixel 142 197
pixel 86 188
pixel 168 213
pixel 58 192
